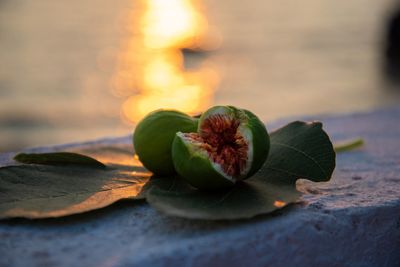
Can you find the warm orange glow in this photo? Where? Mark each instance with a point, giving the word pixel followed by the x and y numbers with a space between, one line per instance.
pixel 171 23
pixel 151 73
pixel 279 204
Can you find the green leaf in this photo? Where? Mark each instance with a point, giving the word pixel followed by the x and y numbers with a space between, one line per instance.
pixel 175 184
pixel 244 200
pixel 298 150
pixel 42 191
pixel 59 159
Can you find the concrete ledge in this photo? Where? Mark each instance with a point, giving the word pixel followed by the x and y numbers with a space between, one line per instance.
pixel 354 220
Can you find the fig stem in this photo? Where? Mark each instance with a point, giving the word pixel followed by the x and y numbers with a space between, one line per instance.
pixel 349 145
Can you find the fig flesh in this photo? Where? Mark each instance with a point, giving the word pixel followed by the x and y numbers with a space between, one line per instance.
pixel 230 145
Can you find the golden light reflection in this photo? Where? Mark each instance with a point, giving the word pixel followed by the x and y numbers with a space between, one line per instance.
pixel 279 204
pixel 172 23
pixel 151 72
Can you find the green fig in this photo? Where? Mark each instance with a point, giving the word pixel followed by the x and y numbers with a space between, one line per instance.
pixel 153 138
pixel 230 145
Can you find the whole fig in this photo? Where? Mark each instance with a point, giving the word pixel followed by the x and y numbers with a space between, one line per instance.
pixel 153 138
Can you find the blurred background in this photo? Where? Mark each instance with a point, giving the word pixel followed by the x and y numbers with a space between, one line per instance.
pixel 79 70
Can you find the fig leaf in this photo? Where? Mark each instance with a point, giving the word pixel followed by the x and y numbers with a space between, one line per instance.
pixel 43 191
pixel 59 159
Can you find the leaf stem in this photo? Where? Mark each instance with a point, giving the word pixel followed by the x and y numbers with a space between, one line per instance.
pixel 348 145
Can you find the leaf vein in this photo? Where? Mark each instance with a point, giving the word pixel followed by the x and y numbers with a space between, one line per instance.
pixel 305 154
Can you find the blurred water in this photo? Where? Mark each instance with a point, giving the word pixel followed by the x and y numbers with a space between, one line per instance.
pixel 277 58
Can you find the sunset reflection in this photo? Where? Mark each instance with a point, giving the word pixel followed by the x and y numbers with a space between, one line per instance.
pixel 279 204
pixel 151 72
pixel 172 23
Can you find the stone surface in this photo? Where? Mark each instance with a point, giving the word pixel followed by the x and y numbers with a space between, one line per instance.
pixel 353 220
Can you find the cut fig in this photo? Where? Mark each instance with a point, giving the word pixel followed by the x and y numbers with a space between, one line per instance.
pixel 230 145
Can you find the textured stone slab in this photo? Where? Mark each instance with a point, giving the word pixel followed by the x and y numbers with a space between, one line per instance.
pixel 353 220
